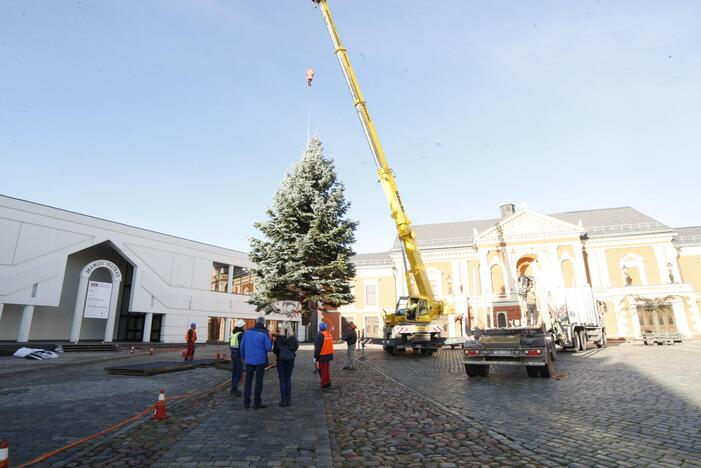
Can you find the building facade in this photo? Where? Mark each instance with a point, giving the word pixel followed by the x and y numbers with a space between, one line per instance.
pixel 70 277
pixel 645 275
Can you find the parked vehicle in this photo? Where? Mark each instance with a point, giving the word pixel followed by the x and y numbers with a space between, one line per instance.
pixel 568 317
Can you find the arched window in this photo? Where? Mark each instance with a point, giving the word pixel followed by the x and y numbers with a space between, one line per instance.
pixel 498 284
pixel 567 270
pixel 501 319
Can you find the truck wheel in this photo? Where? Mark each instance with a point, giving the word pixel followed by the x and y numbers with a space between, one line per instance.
pixel 601 343
pixel 543 371
pixel 582 340
pixel 575 342
pixel 483 371
pixel 532 371
pixel 387 349
pixel 471 370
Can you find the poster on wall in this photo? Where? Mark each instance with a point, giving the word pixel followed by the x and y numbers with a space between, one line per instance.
pixel 97 304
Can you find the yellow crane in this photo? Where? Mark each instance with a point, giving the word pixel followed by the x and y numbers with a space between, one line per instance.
pixel 409 325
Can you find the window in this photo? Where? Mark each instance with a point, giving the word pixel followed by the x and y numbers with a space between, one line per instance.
pixel 497 275
pixel 241 279
pixel 371 295
pixel 220 277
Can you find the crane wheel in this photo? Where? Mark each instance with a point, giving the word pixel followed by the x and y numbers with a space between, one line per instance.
pixel 483 371
pixel 532 371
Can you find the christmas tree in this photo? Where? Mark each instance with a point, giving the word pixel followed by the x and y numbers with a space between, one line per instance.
pixel 307 246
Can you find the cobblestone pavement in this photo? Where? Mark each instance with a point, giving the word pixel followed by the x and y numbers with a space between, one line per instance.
pixel 43 410
pixel 622 406
pixel 295 436
pixel 628 405
pixel 375 421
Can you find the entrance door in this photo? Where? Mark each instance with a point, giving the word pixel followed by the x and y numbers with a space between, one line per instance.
pixel 135 327
pixel 658 320
pixel 156 324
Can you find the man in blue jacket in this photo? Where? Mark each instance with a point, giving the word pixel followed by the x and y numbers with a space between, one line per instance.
pixel 255 347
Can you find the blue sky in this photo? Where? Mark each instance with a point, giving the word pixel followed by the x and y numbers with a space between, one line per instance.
pixel 183 116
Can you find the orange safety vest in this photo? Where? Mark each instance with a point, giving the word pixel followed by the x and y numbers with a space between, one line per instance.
pixel 327 347
pixel 194 335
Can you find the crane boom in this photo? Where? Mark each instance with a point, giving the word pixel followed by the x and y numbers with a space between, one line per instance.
pixel 407 237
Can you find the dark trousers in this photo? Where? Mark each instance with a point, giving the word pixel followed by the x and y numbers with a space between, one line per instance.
pixel 236 369
pixel 190 355
pixel 259 371
pixel 284 373
pixel 325 373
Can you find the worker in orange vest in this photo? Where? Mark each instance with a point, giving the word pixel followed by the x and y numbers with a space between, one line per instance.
pixel 190 338
pixel 323 354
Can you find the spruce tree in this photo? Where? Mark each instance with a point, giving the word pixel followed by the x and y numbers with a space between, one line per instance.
pixel 307 246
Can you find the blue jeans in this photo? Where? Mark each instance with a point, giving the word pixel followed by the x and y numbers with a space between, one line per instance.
pixel 259 370
pixel 236 369
pixel 284 373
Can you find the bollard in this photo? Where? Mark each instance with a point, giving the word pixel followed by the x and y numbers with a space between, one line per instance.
pixel 131 351
pixel 160 411
pixel 150 352
pixel 4 454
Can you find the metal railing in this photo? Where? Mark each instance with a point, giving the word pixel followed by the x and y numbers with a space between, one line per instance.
pixel 627 227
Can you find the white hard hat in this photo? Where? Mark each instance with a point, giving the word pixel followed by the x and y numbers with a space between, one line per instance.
pixel 240 323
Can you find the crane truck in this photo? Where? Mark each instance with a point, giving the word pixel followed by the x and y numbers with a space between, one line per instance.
pixel 412 325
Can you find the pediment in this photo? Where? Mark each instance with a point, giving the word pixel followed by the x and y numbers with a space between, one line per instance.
pixel 527 225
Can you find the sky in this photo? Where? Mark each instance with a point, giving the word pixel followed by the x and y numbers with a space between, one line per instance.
pixel 184 116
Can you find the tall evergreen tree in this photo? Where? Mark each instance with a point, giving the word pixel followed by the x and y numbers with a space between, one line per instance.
pixel 307 245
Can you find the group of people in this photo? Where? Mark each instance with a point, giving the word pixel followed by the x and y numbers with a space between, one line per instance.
pixel 250 348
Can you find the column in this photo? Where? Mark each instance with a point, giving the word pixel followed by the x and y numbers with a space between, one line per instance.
pixel 580 269
pixel 228 326
pixel 109 327
pixel 25 324
pixel 680 318
pixel 662 265
pixel 603 268
pixel 78 309
pixel 555 277
pixel 456 281
pixel 1 307
pixel 147 327
pixel 230 280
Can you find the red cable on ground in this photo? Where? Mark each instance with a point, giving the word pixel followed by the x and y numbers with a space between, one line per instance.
pixel 50 454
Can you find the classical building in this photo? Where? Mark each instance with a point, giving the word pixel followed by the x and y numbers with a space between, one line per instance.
pixel 65 276
pixel 644 274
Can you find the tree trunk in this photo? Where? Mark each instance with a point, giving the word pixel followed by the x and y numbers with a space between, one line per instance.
pixel 313 320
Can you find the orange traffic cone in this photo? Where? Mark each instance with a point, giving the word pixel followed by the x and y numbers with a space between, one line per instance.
pixel 4 454
pixel 160 411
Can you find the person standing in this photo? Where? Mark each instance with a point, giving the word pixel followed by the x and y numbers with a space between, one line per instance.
pixel 190 339
pixel 351 338
pixel 323 354
pixel 255 347
pixel 285 347
pixel 236 363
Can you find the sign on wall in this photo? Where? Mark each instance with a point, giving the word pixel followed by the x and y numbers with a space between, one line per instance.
pixel 97 304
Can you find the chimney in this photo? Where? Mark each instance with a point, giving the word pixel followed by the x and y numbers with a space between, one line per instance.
pixel 507 210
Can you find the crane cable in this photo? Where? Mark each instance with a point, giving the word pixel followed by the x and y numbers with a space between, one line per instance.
pixel 310 78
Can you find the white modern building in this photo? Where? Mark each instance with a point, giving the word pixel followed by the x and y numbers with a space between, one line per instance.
pixel 65 276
